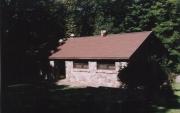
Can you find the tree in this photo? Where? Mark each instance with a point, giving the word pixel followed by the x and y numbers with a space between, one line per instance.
pixel 31 29
pixel 71 18
pixel 168 31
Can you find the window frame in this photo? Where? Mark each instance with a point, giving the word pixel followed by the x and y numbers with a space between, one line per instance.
pixel 106 65
pixel 81 64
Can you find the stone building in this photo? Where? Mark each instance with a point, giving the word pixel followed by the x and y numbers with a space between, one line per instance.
pixel 97 60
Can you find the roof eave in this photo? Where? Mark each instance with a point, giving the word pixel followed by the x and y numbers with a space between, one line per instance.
pixel 89 58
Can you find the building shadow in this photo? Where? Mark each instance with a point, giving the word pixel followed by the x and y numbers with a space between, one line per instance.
pixel 49 98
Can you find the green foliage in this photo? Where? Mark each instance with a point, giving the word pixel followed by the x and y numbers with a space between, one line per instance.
pixel 103 23
pixel 70 18
pixel 168 31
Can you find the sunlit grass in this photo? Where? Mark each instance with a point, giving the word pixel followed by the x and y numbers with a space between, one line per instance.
pixel 176 87
pixel 173 111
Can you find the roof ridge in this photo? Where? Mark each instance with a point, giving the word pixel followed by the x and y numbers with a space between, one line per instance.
pixel 122 33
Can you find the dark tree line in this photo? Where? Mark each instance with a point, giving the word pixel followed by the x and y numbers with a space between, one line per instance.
pixel 32 28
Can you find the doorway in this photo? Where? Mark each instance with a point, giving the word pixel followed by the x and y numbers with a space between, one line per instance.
pixel 60 72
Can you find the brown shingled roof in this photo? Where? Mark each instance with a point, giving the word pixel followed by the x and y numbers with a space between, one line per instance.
pixel 112 46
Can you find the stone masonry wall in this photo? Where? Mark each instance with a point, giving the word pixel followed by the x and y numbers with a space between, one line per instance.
pixel 93 76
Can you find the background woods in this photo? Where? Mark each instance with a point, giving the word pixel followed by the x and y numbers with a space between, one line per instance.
pixel 32 28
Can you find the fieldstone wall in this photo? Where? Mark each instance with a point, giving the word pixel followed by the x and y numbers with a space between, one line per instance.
pixel 93 76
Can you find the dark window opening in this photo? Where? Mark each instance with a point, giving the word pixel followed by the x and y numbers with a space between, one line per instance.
pixel 106 65
pixel 80 64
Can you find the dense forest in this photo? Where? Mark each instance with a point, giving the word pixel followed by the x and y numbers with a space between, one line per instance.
pixel 32 28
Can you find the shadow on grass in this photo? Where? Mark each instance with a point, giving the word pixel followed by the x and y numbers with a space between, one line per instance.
pixel 47 98
pixel 166 101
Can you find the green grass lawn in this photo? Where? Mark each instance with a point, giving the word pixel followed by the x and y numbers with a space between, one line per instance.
pixel 60 99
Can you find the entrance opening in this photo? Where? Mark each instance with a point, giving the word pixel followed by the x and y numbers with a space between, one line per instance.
pixel 60 72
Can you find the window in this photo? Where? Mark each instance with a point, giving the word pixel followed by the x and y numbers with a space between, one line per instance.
pixel 106 65
pixel 80 64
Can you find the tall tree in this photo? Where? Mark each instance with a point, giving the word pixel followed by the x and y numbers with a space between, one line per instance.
pixel 71 17
pixel 31 28
pixel 168 30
